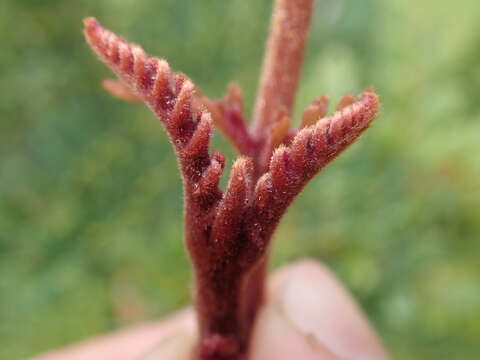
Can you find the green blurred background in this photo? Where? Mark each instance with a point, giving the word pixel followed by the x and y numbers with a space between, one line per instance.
pixel 90 198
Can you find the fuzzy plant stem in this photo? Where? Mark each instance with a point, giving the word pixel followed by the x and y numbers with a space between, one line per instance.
pixel 277 89
pixel 228 233
pixel 282 63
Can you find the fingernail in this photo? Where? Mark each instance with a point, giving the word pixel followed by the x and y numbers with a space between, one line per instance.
pixel 176 347
pixel 275 338
pixel 317 306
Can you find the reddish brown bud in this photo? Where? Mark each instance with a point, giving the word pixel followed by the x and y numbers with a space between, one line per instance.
pixel 346 100
pixel 316 110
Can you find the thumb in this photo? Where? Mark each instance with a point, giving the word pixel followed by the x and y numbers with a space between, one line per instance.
pixel 309 315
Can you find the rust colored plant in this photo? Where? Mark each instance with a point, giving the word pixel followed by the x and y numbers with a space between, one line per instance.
pixel 228 233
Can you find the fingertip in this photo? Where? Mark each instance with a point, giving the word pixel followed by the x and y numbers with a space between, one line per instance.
pixel 130 343
pixel 179 346
pixel 315 304
pixel 275 338
pixel 303 265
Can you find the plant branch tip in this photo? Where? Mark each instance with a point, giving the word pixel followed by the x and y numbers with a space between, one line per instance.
pixel 228 233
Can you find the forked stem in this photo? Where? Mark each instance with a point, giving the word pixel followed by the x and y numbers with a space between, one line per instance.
pixel 228 233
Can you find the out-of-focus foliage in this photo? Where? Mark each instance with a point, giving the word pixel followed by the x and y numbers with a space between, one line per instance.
pixel 90 199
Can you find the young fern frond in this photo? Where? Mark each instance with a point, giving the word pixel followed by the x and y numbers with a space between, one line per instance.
pixel 228 233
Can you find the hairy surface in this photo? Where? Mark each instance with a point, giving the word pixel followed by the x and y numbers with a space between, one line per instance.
pixel 228 233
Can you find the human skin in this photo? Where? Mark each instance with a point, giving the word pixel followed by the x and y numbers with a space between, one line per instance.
pixel 308 315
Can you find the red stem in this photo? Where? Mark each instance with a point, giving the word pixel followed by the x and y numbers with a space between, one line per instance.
pixel 283 62
pixel 277 90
